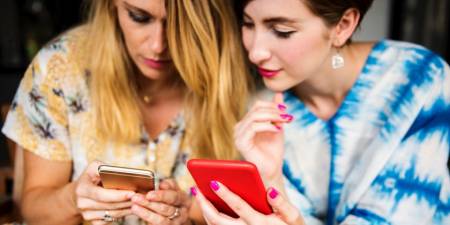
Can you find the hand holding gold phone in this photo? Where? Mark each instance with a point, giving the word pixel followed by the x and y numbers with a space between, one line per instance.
pixel 124 178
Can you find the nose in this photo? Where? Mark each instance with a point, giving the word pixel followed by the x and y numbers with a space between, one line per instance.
pixel 159 41
pixel 258 51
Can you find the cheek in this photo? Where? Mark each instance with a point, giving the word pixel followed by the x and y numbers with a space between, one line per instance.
pixel 302 51
pixel 247 37
pixel 124 24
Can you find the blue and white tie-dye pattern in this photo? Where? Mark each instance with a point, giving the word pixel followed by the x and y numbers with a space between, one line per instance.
pixel 382 158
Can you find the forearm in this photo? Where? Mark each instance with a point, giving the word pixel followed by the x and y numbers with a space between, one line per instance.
pixel 44 205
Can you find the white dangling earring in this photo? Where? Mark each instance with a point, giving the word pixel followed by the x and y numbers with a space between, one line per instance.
pixel 337 61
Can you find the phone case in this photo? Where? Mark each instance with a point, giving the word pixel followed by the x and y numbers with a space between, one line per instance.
pixel 241 177
pixel 123 178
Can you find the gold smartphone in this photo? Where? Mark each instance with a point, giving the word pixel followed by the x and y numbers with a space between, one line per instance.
pixel 124 178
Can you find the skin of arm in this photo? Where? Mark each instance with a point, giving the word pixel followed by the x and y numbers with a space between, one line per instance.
pixel 48 196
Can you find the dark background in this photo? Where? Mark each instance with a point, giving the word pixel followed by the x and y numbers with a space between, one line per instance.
pixel 25 25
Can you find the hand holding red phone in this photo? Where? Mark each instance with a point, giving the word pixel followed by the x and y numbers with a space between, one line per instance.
pixel 285 213
pixel 168 205
pixel 97 204
pixel 259 136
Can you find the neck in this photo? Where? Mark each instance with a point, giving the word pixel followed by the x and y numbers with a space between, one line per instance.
pixel 325 91
pixel 330 84
pixel 161 90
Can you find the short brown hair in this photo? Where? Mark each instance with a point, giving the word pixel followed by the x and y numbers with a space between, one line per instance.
pixel 331 11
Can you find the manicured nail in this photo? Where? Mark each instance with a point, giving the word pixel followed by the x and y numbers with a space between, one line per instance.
pixel 287 117
pixel 214 185
pixel 278 127
pixel 193 191
pixel 281 107
pixel 273 193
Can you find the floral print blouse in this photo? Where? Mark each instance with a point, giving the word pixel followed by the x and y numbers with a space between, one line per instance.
pixel 51 116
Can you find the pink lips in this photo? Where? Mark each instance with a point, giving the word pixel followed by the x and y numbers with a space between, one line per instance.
pixel 156 64
pixel 267 73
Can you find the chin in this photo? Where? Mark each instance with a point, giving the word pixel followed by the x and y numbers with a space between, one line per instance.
pixel 153 74
pixel 276 86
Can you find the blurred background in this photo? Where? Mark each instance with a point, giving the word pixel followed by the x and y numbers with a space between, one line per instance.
pixel 26 25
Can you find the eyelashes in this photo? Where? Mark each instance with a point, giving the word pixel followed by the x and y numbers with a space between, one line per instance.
pixel 283 34
pixel 139 17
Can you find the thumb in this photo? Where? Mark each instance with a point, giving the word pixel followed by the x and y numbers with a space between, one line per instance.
pixel 287 212
pixel 92 171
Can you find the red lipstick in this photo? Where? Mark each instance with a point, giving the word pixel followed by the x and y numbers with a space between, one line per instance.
pixel 156 64
pixel 267 73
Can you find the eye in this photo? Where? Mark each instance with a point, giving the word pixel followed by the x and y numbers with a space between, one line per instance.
pixel 139 17
pixel 247 24
pixel 282 32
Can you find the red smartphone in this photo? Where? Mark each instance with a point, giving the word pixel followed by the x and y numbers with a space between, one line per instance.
pixel 241 177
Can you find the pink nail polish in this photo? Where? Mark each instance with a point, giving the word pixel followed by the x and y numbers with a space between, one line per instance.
pixel 281 107
pixel 193 191
pixel 214 185
pixel 278 127
pixel 287 117
pixel 273 193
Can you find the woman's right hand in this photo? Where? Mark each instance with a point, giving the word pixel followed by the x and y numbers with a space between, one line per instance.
pixel 259 136
pixel 95 203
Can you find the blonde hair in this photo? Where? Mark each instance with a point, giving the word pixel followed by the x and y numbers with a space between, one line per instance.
pixel 112 83
pixel 205 46
pixel 204 43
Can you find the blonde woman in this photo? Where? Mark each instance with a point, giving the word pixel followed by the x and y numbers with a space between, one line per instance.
pixel 117 91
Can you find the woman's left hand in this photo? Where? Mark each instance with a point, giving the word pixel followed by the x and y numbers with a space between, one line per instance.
pixel 284 212
pixel 168 205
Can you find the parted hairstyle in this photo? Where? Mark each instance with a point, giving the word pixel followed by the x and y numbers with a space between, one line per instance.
pixel 205 47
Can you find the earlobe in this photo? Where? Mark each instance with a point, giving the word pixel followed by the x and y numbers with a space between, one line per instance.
pixel 346 27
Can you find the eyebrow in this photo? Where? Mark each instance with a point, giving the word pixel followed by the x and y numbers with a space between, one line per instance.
pixel 274 20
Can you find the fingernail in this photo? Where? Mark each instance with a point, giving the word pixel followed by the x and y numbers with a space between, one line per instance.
pixel 281 107
pixel 287 116
pixel 278 127
pixel 273 193
pixel 193 191
pixel 134 208
pixel 214 185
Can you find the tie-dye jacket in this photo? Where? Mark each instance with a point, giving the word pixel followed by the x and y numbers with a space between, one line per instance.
pixel 382 158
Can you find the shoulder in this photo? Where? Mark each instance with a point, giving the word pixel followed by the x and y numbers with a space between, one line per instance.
pixel 408 64
pixel 60 60
pixel 409 56
pixel 67 46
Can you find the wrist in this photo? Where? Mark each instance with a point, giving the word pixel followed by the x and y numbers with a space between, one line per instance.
pixel 72 197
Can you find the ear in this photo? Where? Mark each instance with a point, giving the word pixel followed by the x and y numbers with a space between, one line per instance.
pixel 345 27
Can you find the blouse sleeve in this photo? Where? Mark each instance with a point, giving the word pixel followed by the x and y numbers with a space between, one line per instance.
pixel 414 186
pixel 37 120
